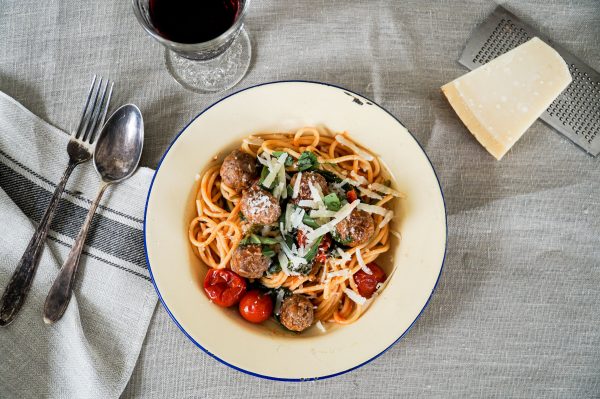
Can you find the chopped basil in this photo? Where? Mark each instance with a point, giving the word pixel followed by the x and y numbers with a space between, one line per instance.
pixel 310 222
pixel 268 252
pixel 263 175
pixel 268 240
pixel 312 252
pixel 290 190
pixel 288 160
pixel 254 239
pixel 307 161
pixel 329 176
pixel 332 202
pixel 336 237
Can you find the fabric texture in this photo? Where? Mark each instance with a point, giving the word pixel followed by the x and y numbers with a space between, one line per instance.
pixel 517 309
pixel 92 350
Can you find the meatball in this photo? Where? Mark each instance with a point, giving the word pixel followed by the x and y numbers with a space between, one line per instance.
pixel 248 261
pixel 259 206
pixel 238 170
pixel 297 313
pixel 357 228
pixel 309 177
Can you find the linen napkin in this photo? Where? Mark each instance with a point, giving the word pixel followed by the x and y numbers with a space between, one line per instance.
pixel 92 350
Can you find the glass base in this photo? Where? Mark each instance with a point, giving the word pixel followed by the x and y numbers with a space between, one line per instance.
pixel 219 74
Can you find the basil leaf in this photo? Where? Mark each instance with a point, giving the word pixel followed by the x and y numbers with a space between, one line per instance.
pixel 288 161
pixel 310 222
pixel 274 268
pixel 307 161
pixel 268 252
pixel 263 175
pixel 253 239
pixel 268 240
pixel 290 190
pixel 332 202
pixel 329 176
pixel 312 252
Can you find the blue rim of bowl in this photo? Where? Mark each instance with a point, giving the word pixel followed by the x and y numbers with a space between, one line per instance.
pixel 267 376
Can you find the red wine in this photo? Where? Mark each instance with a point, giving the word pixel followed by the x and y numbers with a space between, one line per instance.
pixel 192 21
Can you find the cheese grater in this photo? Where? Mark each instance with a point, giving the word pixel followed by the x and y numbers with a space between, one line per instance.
pixel 576 111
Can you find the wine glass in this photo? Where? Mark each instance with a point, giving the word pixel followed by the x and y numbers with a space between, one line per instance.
pixel 208 66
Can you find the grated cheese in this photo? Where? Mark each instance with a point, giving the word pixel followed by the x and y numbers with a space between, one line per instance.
pixel 297 185
pixel 278 301
pixel 322 213
pixel 369 193
pixel 388 216
pixel 296 217
pixel 360 179
pixel 386 190
pixel 315 193
pixel 340 215
pixel 344 255
pixel 308 204
pixel 359 300
pixel 276 165
pixel 362 263
pixel 396 234
pixel 287 226
pixel 283 262
pixel 342 140
pixel 373 209
pixel 320 326
pixel 338 273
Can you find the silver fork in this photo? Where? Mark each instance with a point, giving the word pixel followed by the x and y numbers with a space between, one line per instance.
pixel 80 149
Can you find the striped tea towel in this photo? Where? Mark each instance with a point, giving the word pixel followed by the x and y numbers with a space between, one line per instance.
pixel 92 350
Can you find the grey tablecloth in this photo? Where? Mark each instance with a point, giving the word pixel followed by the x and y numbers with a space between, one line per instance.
pixel 517 311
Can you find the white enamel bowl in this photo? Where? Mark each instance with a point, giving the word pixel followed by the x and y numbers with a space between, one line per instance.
pixel 266 350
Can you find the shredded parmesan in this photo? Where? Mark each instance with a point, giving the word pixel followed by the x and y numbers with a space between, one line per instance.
pixel 386 219
pixel 340 215
pixel 338 273
pixel 278 301
pixel 360 300
pixel 396 234
pixel 369 193
pixel 308 204
pixel 297 185
pixel 362 263
pixel 360 179
pixel 386 190
pixel 373 209
pixel 296 217
pixel 342 140
pixel 274 170
pixel 289 209
pixel 283 262
pixel 322 213
pixel 320 326
pixel 344 255
pixel 315 193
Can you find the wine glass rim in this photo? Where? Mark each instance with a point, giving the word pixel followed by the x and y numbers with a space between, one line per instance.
pixel 190 46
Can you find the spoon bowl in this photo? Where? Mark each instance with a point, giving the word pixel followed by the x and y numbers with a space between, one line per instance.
pixel 119 148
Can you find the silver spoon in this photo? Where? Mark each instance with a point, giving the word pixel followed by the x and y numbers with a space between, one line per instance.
pixel 116 157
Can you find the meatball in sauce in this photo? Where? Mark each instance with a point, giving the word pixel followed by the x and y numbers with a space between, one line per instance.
pixel 238 170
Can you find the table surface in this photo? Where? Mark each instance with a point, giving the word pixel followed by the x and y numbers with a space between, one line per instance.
pixel 517 309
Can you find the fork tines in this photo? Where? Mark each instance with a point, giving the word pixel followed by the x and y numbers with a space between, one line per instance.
pixel 94 111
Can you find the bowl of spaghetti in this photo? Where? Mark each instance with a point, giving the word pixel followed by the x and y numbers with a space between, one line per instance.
pixel 295 230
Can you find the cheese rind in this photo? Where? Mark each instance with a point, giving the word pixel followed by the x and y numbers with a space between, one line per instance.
pixel 500 100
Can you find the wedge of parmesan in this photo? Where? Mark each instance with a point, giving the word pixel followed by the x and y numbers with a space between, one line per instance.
pixel 500 100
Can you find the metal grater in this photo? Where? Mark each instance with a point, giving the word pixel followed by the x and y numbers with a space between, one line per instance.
pixel 576 111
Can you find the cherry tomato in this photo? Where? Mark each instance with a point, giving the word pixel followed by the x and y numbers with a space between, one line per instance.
pixel 301 238
pixel 224 287
pixel 351 196
pixel 256 306
pixel 323 248
pixel 367 283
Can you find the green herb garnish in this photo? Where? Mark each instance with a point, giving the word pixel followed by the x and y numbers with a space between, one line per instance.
pixel 332 202
pixel 290 190
pixel 310 222
pixel 288 160
pixel 312 252
pixel 329 176
pixel 268 252
pixel 307 161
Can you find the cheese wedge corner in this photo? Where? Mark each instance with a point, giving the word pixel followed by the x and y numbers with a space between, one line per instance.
pixel 500 100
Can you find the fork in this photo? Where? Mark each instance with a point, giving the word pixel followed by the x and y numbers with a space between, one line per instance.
pixel 80 149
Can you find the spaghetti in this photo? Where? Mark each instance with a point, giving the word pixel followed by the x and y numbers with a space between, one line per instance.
pixel 357 185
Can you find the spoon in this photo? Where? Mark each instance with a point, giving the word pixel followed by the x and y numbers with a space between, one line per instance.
pixel 116 157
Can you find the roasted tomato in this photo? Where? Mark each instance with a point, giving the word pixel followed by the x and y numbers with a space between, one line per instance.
pixel 224 287
pixel 323 248
pixel 256 306
pixel 351 195
pixel 367 283
pixel 301 238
